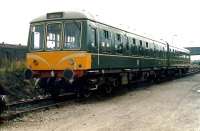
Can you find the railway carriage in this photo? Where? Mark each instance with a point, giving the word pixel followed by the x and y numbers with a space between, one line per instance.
pixel 75 52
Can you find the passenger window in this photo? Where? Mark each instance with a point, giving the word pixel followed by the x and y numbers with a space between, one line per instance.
pixel 134 41
pixel 118 44
pixel 147 45
pixel 119 37
pixel 127 43
pixel 141 43
pixel 106 34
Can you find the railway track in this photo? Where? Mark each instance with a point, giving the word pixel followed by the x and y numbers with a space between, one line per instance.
pixel 18 109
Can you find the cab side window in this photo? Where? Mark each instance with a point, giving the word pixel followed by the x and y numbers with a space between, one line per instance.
pixel 93 39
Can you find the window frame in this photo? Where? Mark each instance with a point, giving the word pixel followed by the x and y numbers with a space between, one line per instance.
pixel 94 30
pixel 118 36
pixel 61 36
pixel 141 43
pixel 147 45
pixel 80 43
pixel 30 37
pixel 106 34
pixel 134 41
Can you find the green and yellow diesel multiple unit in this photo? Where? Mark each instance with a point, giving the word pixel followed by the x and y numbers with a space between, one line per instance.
pixel 74 50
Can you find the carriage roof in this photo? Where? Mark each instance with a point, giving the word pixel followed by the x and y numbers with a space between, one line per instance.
pixel 64 15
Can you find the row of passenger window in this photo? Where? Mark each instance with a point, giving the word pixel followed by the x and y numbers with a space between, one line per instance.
pixel 127 41
pixel 174 53
pixel 116 43
pixel 180 56
pixel 119 38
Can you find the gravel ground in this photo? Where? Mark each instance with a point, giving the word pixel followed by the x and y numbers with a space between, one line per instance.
pixel 169 106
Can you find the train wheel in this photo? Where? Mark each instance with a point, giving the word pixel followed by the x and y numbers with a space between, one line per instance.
pixel 82 89
pixel 107 89
pixel 180 73
pixel 2 103
pixel 86 93
pixel 54 92
pixel 53 87
pixel 157 77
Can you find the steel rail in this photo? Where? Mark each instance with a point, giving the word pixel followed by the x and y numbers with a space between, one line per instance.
pixel 18 109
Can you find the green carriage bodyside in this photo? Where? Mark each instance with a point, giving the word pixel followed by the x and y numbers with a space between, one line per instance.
pixel 136 52
pixel 179 58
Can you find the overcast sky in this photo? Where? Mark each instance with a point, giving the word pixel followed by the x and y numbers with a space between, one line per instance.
pixel 176 21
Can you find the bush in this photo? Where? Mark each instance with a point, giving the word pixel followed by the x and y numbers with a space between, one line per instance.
pixel 12 80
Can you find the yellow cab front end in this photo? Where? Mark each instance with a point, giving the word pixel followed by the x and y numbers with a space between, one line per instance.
pixel 56 49
pixel 48 64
